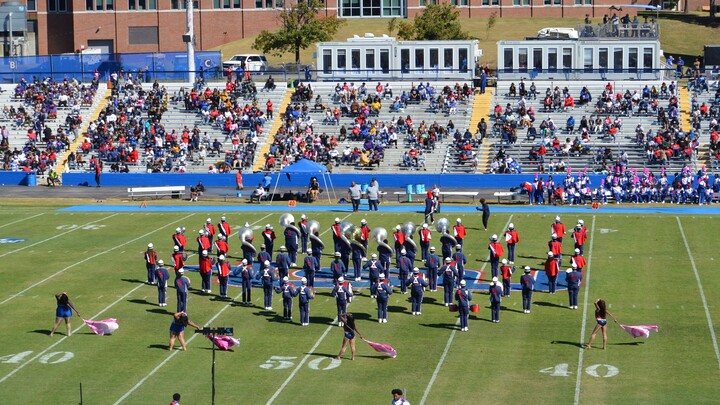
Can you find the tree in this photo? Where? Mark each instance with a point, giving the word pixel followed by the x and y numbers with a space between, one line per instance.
pixel 437 21
pixel 300 27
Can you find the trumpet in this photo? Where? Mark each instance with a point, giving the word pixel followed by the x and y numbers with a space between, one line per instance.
pixel 246 237
pixel 380 235
pixel 442 227
pixel 314 229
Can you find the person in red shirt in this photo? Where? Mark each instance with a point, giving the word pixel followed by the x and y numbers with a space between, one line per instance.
pixel 203 242
pixel 221 246
pixel 558 228
pixel 269 109
pixel 178 259
pixel 551 269
pixel 496 252
pixel 224 228
pixel 577 260
pixel 223 271
pixel 459 231
pixel 98 171
pixel 205 266
pixel 506 271
pixel 579 236
pixel 179 240
pixel 210 230
pixel 150 261
pixel 399 242
pixel 556 248
pixel 425 238
pixel 511 238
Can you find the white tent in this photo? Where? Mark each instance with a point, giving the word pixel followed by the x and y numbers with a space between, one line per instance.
pixel 305 166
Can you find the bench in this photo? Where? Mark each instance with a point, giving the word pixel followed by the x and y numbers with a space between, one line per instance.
pixel 505 194
pixel 400 194
pixel 156 192
pixel 472 194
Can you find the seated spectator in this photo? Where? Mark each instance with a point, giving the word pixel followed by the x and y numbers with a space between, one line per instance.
pixel 196 191
pixel 258 194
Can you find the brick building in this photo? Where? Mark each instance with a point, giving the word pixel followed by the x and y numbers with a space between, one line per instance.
pixel 61 26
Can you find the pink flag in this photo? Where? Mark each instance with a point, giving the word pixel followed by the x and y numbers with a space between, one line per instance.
pixel 662 170
pixel 646 171
pixel 640 330
pixel 569 171
pixel 224 342
pixel 104 327
pixel 382 348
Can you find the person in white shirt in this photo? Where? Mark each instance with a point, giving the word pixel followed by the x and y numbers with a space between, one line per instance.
pixel 398 398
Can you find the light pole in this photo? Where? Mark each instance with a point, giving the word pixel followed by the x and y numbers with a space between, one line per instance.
pixel 11 35
pixel 190 44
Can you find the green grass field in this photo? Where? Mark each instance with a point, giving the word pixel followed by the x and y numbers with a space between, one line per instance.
pixel 649 268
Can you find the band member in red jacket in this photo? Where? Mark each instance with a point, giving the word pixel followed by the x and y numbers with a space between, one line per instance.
pixel 205 265
pixel 150 261
pixel 459 231
pixel 179 240
pixel 551 269
pixel 203 242
pixel 223 272
pixel 399 237
pixel 579 236
pixel 221 246
pixel 578 260
pixel 511 238
pixel 224 228
pixel 269 238
pixel 496 252
pixel 178 259
pixel 558 228
pixel 210 230
pixel 555 247
pixel 425 239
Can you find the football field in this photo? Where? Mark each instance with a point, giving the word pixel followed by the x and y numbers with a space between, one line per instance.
pixel 650 267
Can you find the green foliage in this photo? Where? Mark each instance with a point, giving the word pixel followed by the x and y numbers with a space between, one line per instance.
pixel 436 22
pixel 300 27
pixel 490 24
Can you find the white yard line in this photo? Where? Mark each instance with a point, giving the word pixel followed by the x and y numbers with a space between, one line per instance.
pixel 20 220
pixel 65 337
pixel 586 284
pixel 702 293
pixel 10 298
pixel 449 342
pixel 57 236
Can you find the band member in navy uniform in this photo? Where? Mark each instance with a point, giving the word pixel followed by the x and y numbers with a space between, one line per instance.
pixel 495 299
pixel 460 260
pixel 224 228
pixel 150 263
pixel 373 267
pixel 573 279
pixel 551 269
pixel 263 255
pixel 269 238
pixel 506 271
pixel 384 254
pixel 459 231
pixel 291 243
pixel 287 295
pixel 179 240
pixel 304 232
pixel 382 292
pixel 417 286
pixel 310 266
pixel 162 276
pixel 578 260
pixel 205 264
pixel 527 283
pixel 404 266
pixel 430 208
pixel 410 249
pixel 223 272
pixel 336 234
pixel 282 263
pixel 463 297
pixel 432 263
pixel 357 258
pixel 496 252
pixel 511 238
pixel 342 295
pixel 449 275
pixel 337 268
pixel 249 254
pixel 203 242
pixel 267 278
pixel 305 295
pixel 345 256
pixel 558 228
pixel 182 285
pixel 246 275
pixel 399 238
pixel 579 236
pixel 364 233
pixel 317 247
pixel 425 239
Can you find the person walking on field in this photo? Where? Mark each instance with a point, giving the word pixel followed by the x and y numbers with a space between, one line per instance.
pixel 177 329
pixel 601 314
pixel 63 311
pixel 485 208
pixel 349 329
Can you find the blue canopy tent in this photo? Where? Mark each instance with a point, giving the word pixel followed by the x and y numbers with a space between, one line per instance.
pixel 308 168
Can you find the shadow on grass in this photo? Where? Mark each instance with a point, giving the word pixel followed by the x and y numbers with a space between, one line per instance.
pixel 440 325
pixel 429 300
pixel 157 346
pixel 565 342
pixel 160 311
pixel 503 308
pixel 531 257
pixel 132 280
pixel 627 344
pixel 395 308
pixel 548 304
pixel 361 315
pixel 321 320
pixel 42 331
pixel 142 302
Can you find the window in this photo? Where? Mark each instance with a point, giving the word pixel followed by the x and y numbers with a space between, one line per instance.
pixel 552 59
pixel 89 5
pixel 31 5
pixel 143 35
pixel 426 2
pixel 261 3
pixel 523 59
pixel 226 3
pixel 495 2
pixel 581 2
pixel 648 59
pixel 142 4
pixel 57 5
pixel 405 60
pixel 327 60
pixel 588 59
pixel 109 4
pixel 393 8
pixel 216 3
pixel 485 2
pixel 420 59
pixel 463 54
pixel 236 4
pixel 567 58
pixel 434 58
pixel 131 4
pixel 508 59
pixel 181 4
pixel 521 2
pixel 633 59
pixel 341 60
pixel 460 3
pixel 537 59
pixel 355 59
pixel 370 59
pixel 603 58
pixel 385 60
pixel 448 56
pixel 552 2
pixel 618 60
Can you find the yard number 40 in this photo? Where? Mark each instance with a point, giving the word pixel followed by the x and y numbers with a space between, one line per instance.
pixel 561 370
pixel 50 358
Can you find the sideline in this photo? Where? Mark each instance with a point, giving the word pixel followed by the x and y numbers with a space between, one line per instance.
pixel 585 312
pixel 12 297
pixel 58 235
pixel 702 293
pixel 449 342
pixel 20 220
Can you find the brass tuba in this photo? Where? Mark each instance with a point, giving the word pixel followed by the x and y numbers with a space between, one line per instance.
pixel 408 228
pixel 246 237
pixel 353 233
pixel 442 227
pixel 287 220
pixel 380 235
pixel 346 230
pixel 314 229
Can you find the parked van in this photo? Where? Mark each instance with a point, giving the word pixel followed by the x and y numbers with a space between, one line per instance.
pixel 252 62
